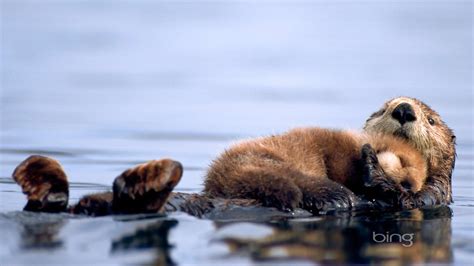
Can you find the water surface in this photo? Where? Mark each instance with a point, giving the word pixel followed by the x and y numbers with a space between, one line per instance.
pixel 104 85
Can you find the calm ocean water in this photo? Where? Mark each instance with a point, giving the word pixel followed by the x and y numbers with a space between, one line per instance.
pixel 104 85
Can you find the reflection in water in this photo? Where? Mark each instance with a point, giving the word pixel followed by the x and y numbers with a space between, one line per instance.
pixel 417 236
pixel 42 231
pixel 152 236
pixel 43 235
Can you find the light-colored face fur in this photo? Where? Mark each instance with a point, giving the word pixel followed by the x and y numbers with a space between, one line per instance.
pixel 427 133
pixel 412 174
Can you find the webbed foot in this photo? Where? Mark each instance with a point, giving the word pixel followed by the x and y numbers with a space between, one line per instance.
pixel 146 187
pixel 44 182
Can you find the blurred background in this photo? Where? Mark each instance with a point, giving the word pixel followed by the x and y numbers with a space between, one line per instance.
pixel 103 85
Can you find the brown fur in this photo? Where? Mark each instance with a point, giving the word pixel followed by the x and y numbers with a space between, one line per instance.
pixel 98 204
pixel 146 187
pixel 44 182
pixel 306 167
pixel 435 141
pixel 143 188
pixel 400 162
pixel 140 189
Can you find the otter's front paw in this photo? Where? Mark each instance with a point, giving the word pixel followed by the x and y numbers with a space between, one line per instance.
pixel 372 169
pixel 283 201
pixel 380 188
pixel 326 196
pixel 283 195
pixel 44 182
pixel 430 197
pixel 145 187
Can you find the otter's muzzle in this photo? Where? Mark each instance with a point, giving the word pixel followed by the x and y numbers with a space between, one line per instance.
pixel 404 113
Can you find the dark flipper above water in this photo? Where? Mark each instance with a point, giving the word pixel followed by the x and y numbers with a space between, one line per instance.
pixel 141 189
pixel 44 182
pixel 145 188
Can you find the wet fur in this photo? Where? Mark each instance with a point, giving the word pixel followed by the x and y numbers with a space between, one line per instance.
pixel 435 142
pixel 44 182
pixel 146 187
pixel 313 168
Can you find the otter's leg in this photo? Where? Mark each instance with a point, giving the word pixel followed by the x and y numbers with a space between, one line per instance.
pixel 141 189
pixel 44 182
pixel 264 176
pixel 269 185
pixel 381 187
pixel 323 194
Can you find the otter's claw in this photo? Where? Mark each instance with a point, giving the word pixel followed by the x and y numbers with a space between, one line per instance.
pixel 145 187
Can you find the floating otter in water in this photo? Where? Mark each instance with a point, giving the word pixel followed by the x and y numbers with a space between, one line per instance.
pixel 144 188
pixel 313 168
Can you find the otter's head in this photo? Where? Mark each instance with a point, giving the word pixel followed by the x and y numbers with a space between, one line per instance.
pixel 416 122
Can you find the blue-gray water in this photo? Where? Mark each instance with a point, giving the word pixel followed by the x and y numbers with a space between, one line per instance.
pixel 104 85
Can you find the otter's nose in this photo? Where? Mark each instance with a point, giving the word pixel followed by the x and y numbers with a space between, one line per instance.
pixel 404 113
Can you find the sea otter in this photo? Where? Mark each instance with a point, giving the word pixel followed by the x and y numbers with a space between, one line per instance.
pixel 423 128
pixel 312 168
pixel 402 117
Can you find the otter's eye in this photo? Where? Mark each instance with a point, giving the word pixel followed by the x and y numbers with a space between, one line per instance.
pixel 431 121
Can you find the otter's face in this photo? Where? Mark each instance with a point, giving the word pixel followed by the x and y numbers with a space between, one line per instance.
pixel 416 122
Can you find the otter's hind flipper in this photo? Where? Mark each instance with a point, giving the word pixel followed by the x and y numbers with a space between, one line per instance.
pixel 146 187
pixel 44 182
pixel 143 188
